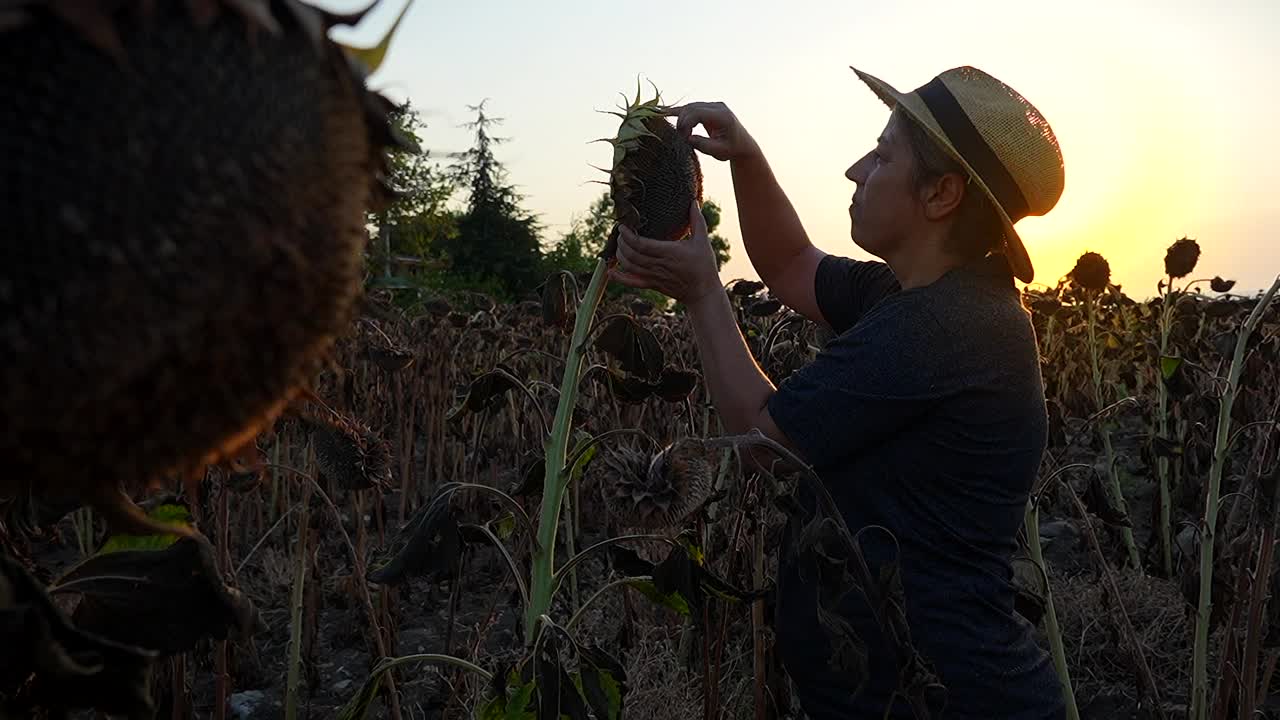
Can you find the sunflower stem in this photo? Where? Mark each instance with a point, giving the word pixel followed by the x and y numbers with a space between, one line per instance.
pixel 1162 463
pixel 1117 494
pixel 543 560
pixel 1052 629
pixel 1200 653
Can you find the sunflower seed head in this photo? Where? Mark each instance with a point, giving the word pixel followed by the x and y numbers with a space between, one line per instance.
pixel 1181 258
pixel 1092 272
pixel 351 453
pixel 662 490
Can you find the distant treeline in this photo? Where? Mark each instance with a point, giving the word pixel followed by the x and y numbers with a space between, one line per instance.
pixel 459 224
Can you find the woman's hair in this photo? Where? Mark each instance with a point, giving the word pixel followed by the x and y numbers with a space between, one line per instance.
pixel 977 229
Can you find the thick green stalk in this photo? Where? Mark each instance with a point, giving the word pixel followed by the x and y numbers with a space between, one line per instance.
pixel 1200 656
pixel 570 543
pixel 1116 492
pixel 1162 463
pixel 556 451
pixel 1032 523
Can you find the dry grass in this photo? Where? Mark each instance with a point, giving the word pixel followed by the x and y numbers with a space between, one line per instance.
pixel 1100 664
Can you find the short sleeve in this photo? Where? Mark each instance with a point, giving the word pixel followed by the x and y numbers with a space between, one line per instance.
pixel 846 289
pixel 865 386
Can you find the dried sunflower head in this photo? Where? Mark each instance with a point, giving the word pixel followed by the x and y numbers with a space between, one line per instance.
pixel 190 181
pixel 1181 257
pixel 351 453
pixel 661 490
pixel 1092 272
pixel 655 175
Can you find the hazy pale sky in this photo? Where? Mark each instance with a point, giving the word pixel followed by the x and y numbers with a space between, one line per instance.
pixel 1168 113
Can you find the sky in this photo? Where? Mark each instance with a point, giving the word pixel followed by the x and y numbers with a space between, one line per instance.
pixel 1166 112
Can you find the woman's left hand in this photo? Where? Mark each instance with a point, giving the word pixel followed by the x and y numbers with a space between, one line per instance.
pixel 684 270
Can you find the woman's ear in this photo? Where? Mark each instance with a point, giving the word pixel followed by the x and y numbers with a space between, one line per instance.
pixel 943 195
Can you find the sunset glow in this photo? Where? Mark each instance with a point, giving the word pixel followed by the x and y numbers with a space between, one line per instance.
pixel 1156 105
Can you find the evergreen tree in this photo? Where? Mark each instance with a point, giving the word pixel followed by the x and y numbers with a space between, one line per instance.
pixel 496 238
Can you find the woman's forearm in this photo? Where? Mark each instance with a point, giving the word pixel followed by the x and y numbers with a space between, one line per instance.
pixel 739 389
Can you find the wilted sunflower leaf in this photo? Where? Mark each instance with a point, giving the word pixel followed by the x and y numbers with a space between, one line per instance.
pixel 484 391
pixel 558 696
pixel 624 388
pixel 432 546
pixel 1219 285
pixel 531 474
pixel 580 465
pixel 1224 344
pixel 676 385
pixel 745 288
pixel 505 705
pixel 633 346
pixel 511 707
pixel 1047 306
pixel 670 600
pixel 167 513
pixel 1099 503
pixel 680 574
pixel 531 477
pixel 677 574
pixel 1220 309
pixel 503 525
pixel 165 600
pixel 64 667
pixel 627 562
pixel 764 307
pixel 603 682
pixel 1031 598
pixel 556 294
pixel 1174 375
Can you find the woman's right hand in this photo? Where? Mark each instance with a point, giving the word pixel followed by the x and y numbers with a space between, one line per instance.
pixel 726 138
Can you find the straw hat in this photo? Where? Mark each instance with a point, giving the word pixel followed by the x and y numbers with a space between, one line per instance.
pixel 1004 143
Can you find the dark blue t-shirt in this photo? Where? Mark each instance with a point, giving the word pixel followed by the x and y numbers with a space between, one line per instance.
pixel 925 415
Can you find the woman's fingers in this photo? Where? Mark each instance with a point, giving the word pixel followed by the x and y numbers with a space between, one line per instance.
pixel 630 280
pixel 697 221
pixel 688 116
pixel 645 250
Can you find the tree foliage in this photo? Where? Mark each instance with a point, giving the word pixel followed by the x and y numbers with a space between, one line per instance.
pixel 579 247
pixel 490 243
pixel 496 238
pixel 419 220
